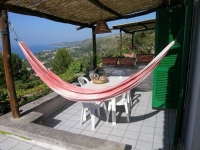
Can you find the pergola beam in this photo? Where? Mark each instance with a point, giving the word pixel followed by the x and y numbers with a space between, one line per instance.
pixel 140 30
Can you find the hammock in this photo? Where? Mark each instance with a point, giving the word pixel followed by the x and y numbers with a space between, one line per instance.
pixel 75 93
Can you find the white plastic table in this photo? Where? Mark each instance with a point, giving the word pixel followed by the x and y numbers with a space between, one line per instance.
pixel 112 81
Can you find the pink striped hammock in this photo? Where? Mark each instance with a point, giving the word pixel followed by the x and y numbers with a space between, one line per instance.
pixel 75 93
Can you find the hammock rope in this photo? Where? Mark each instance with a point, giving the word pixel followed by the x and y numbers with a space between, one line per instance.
pixel 75 93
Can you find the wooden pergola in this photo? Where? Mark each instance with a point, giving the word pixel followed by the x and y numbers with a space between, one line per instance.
pixel 133 27
pixel 83 13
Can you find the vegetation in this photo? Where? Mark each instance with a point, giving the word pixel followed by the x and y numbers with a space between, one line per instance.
pixel 28 87
pixel 61 61
pixel 67 63
pixel 19 70
pixel 143 43
pixel 8 133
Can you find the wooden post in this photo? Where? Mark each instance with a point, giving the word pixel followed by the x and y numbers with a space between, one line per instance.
pixel 6 53
pixel 132 40
pixel 94 49
pixel 120 42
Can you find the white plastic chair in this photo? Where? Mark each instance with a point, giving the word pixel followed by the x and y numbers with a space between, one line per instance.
pixel 82 80
pixel 93 75
pixel 129 99
pixel 90 106
pixel 120 100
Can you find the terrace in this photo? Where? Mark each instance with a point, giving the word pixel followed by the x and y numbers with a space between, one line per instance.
pixel 148 129
pixel 175 20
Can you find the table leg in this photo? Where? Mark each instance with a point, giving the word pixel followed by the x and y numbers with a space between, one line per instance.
pixel 113 111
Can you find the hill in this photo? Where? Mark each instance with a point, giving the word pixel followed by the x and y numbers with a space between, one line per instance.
pixel 104 45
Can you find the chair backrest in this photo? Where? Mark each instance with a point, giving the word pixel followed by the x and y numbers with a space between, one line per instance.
pixel 82 80
pixel 93 75
pixel 121 99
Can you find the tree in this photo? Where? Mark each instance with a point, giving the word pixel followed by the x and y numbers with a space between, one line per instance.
pixel 19 69
pixel 61 61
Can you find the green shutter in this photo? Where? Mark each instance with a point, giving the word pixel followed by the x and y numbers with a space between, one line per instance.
pixel 166 79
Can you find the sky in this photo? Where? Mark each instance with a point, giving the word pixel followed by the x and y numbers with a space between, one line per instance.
pixel 39 31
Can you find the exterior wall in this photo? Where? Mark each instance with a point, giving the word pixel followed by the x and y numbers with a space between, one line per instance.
pixel 190 138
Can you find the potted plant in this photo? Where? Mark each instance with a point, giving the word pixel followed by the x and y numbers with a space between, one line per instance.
pixel 127 56
pixel 109 59
pixel 145 54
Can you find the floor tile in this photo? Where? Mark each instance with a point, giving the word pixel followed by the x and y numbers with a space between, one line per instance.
pixel 114 138
pixel 149 123
pixel 104 130
pixel 22 146
pixel 8 144
pixel 131 135
pixel 59 121
pixel 144 104
pixel 121 126
pixel 65 116
pixel 88 133
pixel 70 123
pixel 144 145
pixel 162 119
pixel 75 118
pixel 147 118
pixel 105 124
pixel 149 130
pixel 83 126
pixel 161 125
pixel 157 146
pixel 72 111
pixel 100 135
pixel 64 128
pixel 3 138
pixel 161 140
pixel 161 132
pixel 135 128
pixel 118 132
pixel 74 130
pixel 128 141
pixel 97 126
pixel 140 112
pixel 141 108
pixel 146 137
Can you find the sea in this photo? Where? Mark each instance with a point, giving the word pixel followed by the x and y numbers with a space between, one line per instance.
pixel 34 48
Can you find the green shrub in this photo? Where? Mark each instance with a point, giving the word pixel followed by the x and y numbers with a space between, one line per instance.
pixel 75 67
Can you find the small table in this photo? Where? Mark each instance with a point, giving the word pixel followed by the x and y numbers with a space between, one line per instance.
pixel 112 81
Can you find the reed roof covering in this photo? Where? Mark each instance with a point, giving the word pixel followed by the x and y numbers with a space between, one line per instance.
pixel 137 26
pixel 85 13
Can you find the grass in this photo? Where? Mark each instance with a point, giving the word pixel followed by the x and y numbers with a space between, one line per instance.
pixel 8 133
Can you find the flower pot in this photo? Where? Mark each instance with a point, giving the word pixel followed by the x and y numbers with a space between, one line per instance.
pixel 109 60
pixel 126 61
pixel 144 58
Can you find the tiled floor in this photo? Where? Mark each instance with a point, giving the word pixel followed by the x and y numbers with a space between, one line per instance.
pixel 149 129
